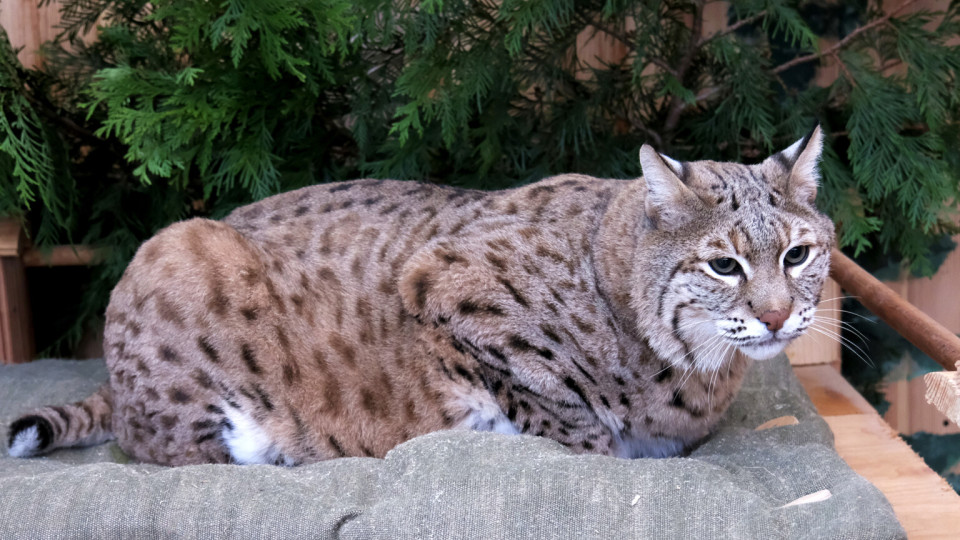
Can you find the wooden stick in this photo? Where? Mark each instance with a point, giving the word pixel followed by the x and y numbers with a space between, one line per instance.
pixel 916 326
pixel 943 392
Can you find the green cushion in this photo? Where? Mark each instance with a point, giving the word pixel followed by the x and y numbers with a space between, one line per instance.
pixel 452 484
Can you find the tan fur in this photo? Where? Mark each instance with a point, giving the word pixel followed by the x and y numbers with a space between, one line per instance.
pixel 344 319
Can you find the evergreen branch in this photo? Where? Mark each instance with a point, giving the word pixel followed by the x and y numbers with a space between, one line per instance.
pixel 843 67
pixel 733 28
pixel 709 92
pixel 843 42
pixel 48 110
pixel 677 103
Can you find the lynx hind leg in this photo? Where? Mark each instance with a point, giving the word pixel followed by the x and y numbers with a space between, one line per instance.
pixel 187 324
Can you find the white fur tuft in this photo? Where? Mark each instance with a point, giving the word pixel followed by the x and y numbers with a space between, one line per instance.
pixel 485 414
pixel 248 443
pixel 26 443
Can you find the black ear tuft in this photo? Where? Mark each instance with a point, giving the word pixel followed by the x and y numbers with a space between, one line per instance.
pixel 44 430
pixel 801 161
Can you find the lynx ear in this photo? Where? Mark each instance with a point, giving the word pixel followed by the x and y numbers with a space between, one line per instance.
pixel 668 199
pixel 802 159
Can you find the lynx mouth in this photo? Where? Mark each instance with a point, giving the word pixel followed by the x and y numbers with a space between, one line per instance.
pixel 765 348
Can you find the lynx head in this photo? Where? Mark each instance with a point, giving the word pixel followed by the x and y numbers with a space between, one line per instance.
pixel 743 254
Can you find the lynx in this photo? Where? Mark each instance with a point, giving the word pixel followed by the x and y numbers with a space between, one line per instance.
pixel 617 317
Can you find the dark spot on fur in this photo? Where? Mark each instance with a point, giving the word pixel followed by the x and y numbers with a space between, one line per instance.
pixel 168 311
pixel 301 210
pixel 498 262
pixel 219 303
pixel 469 307
pixel 203 378
pixel 368 401
pixel 341 187
pixel 214 409
pixel 169 421
pixel 584 326
pixel 179 395
pixel 208 350
pixel 205 437
pixel 264 398
pixel 421 286
pixel 496 353
pixel 344 349
pixel 550 333
pixel 337 447
pixel 201 425
pixel 677 400
pixel 519 298
pixel 142 368
pixel 249 359
pixel 167 354
pixel 462 371
pixel 291 373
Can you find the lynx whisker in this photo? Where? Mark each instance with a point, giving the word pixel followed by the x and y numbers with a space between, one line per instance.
pixel 842 325
pixel 852 347
pixel 848 312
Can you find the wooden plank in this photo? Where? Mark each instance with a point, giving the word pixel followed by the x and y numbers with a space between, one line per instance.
pixel 830 392
pixel 923 501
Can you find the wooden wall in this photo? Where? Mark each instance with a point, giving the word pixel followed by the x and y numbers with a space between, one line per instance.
pixel 28 25
pixel 938 297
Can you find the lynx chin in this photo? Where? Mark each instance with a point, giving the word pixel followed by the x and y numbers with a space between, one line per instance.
pixel 617 317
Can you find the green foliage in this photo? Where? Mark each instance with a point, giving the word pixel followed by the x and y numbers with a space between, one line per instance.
pixel 181 108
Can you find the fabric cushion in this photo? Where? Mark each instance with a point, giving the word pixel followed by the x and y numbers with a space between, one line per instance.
pixel 452 484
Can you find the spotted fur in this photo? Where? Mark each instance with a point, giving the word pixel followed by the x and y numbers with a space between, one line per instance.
pixel 343 319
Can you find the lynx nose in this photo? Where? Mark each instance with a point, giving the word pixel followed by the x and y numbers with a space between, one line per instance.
pixel 774 319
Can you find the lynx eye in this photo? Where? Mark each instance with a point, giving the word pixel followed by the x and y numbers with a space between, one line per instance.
pixel 796 255
pixel 724 266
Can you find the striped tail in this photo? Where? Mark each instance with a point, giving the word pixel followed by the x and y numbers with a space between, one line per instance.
pixel 82 423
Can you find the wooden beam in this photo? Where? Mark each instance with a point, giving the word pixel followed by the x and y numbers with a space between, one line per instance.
pixel 911 323
pixel 73 255
pixel 16 323
pixel 943 392
pixel 11 238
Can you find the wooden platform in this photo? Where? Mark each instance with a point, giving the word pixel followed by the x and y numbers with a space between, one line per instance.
pixel 923 501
